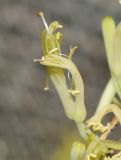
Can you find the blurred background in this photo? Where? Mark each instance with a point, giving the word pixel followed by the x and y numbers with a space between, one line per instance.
pixel 32 122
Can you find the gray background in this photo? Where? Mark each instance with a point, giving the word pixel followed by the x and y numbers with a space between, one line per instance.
pixel 31 120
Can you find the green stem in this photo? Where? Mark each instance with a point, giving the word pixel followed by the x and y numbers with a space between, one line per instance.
pixel 82 128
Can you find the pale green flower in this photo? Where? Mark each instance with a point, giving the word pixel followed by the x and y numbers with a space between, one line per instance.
pixel 72 98
pixel 112 40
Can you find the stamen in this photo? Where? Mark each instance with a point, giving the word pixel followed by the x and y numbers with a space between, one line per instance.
pixel 53 50
pixel 41 14
pixel 72 50
pixel 64 55
pixel 73 92
pixel 58 35
pixel 46 88
pixel 36 60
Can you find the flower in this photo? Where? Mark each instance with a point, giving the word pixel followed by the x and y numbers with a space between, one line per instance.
pixel 56 62
pixel 112 40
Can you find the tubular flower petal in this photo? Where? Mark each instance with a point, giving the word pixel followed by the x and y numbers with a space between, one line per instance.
pixel 112 40
pixel 56 63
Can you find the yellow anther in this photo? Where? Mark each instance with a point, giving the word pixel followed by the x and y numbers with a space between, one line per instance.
pixel 46 88
pixel 93 155
pixel 40 14
pixel 58 35
pixel 105 128
pixel 73 92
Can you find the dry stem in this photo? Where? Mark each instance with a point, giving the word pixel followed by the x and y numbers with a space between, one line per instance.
pixel 110 126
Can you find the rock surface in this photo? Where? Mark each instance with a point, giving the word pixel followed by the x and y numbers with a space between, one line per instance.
pixel 30 119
